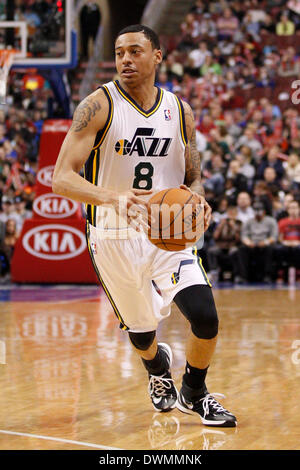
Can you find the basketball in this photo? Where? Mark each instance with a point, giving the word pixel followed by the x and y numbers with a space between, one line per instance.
pixel 176 219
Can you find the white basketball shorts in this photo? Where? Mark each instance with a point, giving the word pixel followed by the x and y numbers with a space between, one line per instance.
pixel 141 280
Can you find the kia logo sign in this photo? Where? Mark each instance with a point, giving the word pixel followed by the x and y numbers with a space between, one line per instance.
pixel 55 128
pixel 54 242
pixel 44 176
pixel 53 206
pixel 58 125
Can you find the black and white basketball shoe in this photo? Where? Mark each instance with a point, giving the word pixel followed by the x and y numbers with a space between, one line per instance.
pixel 211 412
pixel 161 388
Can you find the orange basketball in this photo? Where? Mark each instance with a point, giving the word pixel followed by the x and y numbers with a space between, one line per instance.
pixel 177 219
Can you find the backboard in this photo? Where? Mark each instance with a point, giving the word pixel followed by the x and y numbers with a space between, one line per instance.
pixel 44 39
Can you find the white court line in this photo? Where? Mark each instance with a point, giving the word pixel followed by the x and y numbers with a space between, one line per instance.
pixel 57 439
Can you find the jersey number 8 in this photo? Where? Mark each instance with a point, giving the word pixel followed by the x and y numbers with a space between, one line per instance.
pixel 143 173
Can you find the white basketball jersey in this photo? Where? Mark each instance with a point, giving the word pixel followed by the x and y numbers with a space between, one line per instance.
pixel 136 149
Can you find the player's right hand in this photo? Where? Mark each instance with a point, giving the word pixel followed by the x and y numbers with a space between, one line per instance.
pixel 130 205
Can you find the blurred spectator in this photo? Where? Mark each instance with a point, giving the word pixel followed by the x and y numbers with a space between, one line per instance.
pixel 221 211
pixel 270 177
pixel 246 168
pixel 292 170
pixel 163 81
pixel 294 5
pixel 207 27
pixel 223 254
pixel 196 58
pixel 227 24
pixel 214 172
pixel 21 212
pixel 238 179
pixel 267 25
pixel 172 66
pixel 258 237
pixel 232 127
pixel 288 251
pixel 90 19
pixel 283 212
pixel 206 125
pixel 251 25
pixel 201 141
pixel 285 27
pixel 7 246
pixel 231 82
pixel 31 17
pixel 265 78
pixel 271 160
pixel 210 65
pixel 32 80
pixel 244 209
pixel 261 193
pixel 289 64
pixel 249 139
pixel 218 143
pixel 38 122
pixel 8 210
pixel 190 28
pixel 41 7
pixel 199 7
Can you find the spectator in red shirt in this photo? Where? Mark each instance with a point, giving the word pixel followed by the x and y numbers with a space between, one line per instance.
pixel 33 81
pixel 288 251
pixel 206 125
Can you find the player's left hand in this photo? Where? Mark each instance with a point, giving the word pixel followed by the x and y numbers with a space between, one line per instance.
pixel 202 200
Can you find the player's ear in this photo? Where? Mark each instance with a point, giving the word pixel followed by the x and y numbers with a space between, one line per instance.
pixel 157 56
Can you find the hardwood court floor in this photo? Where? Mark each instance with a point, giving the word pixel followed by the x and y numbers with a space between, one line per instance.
pixel 71 380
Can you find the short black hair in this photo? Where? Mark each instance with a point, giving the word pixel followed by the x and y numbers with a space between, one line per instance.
pixel 259 205
pixel 140 28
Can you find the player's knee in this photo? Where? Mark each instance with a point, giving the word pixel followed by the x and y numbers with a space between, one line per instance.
pixel 142 341
pixel 198 306
pixel 205 325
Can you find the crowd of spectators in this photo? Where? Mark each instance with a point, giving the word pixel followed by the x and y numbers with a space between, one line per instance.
pixel 233 63
pixel 229 70
pixel 29 101
pixel 21 119
pixel 45 26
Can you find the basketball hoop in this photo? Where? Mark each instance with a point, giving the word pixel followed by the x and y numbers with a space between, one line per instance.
pixel 6 60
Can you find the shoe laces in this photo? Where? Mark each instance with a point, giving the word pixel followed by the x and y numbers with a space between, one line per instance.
pixel 210 401
pixel 160 385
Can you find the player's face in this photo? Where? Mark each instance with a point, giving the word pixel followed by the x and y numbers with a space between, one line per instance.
pixel 136 61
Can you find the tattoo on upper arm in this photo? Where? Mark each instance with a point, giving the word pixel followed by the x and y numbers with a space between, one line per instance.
pixel 84 113
pixel 192 155
pixel 192 159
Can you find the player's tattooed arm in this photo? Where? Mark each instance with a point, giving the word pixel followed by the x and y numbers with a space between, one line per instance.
pixel 89 117
pixel 84 113
pixel 193 164
pixel 192 155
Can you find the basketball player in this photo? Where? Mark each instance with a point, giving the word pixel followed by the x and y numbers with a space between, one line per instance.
pixel 135 139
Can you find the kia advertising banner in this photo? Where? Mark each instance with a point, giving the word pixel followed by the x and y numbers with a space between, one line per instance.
pixel 52 247
pixel 47 204
pixel 53 206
